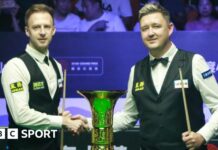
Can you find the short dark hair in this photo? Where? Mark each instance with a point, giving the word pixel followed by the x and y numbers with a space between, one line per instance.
pixel 149 8
pixel 38 8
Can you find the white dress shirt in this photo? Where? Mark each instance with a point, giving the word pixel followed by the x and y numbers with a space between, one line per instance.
pixel 69 24
pixel 207 87
pixel 18 102
pixel 119 7
pixel 114 23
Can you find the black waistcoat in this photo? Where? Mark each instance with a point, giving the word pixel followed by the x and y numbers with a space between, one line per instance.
pixel 162 116
pixel 39 100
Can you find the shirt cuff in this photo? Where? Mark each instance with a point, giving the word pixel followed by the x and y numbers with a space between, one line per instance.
pixel 90 123
pixel 207 132
pixel 56 121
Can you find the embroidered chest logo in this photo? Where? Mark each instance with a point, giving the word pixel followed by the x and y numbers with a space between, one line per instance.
pixel 139 86
pixel 38 85
pixel 16 87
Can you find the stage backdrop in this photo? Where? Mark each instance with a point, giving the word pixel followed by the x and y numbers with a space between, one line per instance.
pixel 101 61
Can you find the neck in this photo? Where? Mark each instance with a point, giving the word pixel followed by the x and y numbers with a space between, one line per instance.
pixel 40 50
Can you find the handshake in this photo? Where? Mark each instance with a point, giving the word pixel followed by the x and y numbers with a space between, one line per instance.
pixel 76 124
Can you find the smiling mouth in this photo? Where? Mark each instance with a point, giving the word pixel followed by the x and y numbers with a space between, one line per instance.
pixel 42 40
pixel 152 40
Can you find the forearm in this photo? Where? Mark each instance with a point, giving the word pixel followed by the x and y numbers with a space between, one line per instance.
pixel 208 88
pixel 123 121
pixel 210 128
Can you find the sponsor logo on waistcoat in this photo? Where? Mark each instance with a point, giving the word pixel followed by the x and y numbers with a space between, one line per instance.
pixel 38 85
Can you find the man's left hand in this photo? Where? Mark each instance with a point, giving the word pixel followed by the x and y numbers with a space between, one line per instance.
pixel 192 140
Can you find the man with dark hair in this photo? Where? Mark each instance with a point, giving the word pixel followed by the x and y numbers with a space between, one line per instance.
pixel 65 21
pixel 96 19
pixel 121 8
pixel 32 84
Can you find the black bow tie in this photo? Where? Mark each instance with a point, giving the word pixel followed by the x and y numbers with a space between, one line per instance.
pixel 154 62
pixel 46 60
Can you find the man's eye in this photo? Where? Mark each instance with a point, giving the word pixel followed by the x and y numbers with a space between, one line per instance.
pixel 156 26
pixel 36 27
pixel 47 27
pixel 144 28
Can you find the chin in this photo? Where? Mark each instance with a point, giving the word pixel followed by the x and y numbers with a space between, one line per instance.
pixel 153 47
pixel 43 45
pixel 42 48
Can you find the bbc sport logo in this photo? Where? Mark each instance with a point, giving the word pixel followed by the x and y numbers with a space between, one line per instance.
pixel 12 133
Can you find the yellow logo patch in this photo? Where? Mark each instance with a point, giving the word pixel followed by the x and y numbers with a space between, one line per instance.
pixel 38 85
pixel 139 86
pixel 16 87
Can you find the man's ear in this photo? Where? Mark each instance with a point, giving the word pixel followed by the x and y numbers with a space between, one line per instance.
pixel 27 31
pixel 54 31
pixel 171 28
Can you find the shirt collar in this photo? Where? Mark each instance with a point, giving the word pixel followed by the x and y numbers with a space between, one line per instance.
pixel 36 54
pixel 170 53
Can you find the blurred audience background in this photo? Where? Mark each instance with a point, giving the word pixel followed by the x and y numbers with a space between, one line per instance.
pixel 64 19
pixel 73 15
pixel 206 19
pixel 96 19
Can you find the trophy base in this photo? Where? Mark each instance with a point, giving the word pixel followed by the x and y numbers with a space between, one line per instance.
pixel 102 147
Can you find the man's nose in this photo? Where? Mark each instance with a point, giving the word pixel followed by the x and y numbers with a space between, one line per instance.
pixel 42 31
pixel 150 31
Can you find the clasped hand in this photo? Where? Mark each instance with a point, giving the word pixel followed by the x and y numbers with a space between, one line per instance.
pixel 75 124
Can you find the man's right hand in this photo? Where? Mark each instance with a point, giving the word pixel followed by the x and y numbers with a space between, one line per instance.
pixel 72 124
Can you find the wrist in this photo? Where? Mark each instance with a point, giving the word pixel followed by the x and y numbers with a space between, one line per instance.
pixel 203 141
pixel 64 122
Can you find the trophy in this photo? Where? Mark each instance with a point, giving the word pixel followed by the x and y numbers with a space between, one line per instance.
pixel 102 105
